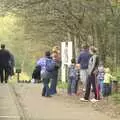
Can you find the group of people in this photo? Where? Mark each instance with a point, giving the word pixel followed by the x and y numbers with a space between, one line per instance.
pixel 93 75
pixel 87 69
pixel 7 64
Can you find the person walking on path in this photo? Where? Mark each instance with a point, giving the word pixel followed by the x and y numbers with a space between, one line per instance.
pixel 92 71
pixel 83 60
pixel 12 64
pixel 5 58
pixel 47 67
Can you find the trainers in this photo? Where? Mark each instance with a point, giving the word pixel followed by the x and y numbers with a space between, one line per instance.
pixel 33 81
pixel 94 100
pixel 83 99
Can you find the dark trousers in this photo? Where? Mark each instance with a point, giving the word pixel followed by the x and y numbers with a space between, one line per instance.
pixel 76 86
pixel 91 81
pixel 4 74
pixel 107 89
pixel 36 74
pixel 45 90
pixel 54 80
pixel 71 85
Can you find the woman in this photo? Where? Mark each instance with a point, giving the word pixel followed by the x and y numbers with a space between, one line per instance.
pixel 56 58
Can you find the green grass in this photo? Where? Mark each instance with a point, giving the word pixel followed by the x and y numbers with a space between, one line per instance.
pixel 116 74
pixel 62 85
pixel 116 98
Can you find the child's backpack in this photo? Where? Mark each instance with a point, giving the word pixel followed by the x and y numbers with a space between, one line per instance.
pixel 72 71
pixel 50 65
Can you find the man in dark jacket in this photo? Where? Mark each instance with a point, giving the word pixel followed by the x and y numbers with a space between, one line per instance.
pixel 83 60
pixel 5 57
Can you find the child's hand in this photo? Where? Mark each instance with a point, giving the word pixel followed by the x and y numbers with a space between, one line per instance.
pixel 78 66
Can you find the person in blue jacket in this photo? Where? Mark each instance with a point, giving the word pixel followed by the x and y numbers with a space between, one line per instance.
pixel 83 60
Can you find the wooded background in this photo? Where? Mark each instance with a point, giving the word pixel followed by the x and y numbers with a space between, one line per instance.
pixel 29 27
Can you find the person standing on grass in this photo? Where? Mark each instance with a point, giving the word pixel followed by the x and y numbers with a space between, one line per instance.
pixel 72 78
pixel 100 77
pixel 92 80
pixel 78 78
pixel 107 83
pixel 83 60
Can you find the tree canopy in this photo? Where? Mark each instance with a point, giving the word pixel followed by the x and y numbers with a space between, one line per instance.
pixel 31 26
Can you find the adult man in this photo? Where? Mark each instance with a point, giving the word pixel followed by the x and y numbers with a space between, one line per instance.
pixel 5 58
pixel 92 69
pixel 83 60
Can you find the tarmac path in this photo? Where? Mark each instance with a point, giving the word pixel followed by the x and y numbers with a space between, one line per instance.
pixel 24 102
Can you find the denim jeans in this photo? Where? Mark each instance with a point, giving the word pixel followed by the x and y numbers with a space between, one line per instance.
pixel 101 84
pixel 54 81
pixel 107 89
pixel 45 90
pixel 71 85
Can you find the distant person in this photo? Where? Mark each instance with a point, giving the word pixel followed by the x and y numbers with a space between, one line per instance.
pixel 36 76
pixel 83 60
pixel 12 64
pixel 5 58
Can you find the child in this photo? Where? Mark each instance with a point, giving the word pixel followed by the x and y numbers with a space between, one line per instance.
pixel 107 82
pixel 72 77
pixel 36 76
pixel 100 77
